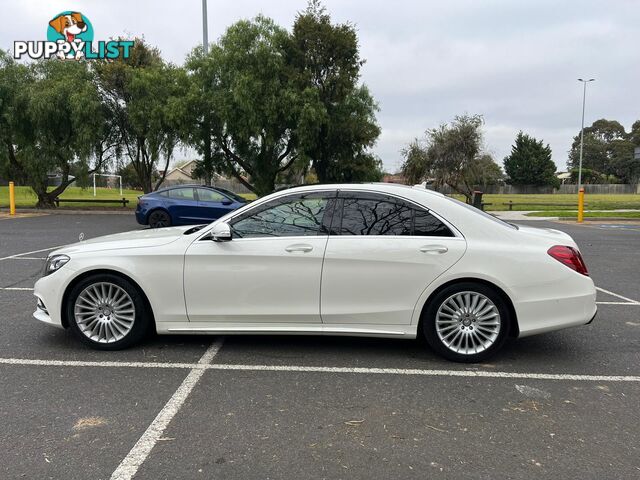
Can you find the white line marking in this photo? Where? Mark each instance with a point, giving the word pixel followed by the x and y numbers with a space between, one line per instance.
pixel 618 303
pixel 429 373
pixel 616 295
pixel 358 370
pixel 34 251
pixel 140 451
pixel 633 304
pixel 80 363
pixel 27 258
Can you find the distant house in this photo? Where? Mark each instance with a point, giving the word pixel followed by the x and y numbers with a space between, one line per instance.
pixel 395 178
pixel 182 174
pixel 564 177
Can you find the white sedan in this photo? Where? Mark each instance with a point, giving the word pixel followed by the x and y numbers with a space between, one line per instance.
pixel 365 260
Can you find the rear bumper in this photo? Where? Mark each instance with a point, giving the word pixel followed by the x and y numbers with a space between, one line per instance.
pixel 547 315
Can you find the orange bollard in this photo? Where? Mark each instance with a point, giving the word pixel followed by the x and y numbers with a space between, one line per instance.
pixel 581 205
pixel 12 199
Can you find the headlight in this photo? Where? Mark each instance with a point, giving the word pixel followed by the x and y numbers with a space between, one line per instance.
pixel 54 262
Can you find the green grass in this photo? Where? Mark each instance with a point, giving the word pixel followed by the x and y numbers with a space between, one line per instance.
pixel 574 214
pixel 592 201
pixel 25 198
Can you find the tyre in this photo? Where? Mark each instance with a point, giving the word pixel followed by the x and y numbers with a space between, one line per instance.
pixel 107 312
pixel 159 219
pixel 466 322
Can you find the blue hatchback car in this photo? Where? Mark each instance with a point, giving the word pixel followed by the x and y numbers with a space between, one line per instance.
pixel 186 205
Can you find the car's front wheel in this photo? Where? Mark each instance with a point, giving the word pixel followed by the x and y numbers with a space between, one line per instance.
pixel 466 322
pixel 107 312
pixel 159 219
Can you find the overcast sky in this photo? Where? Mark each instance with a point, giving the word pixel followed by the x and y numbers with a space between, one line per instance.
pixel 514 62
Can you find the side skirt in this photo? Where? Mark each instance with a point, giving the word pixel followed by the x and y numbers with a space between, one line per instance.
pixel 359 330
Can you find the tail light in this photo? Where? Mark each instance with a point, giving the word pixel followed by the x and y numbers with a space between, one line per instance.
pixel 570 257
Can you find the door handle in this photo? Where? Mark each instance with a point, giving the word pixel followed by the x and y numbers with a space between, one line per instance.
pixel 434 249
pixel 299 247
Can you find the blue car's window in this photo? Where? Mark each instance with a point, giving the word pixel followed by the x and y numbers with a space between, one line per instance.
pixel 182 194
pixel 293 218
pixel 206 195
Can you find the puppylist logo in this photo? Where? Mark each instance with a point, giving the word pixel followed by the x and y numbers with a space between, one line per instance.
pixel 70 35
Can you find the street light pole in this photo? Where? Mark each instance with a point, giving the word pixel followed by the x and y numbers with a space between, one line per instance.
pixel 205 28
pixel 584 96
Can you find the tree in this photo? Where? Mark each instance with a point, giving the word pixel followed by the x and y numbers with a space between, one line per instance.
pixel 607 150
pixel 338 123
pixel 530 163
pixel 143 92
pixel 255 103
pixel 484 171
pixel 51 122
pixel 197 112
pixel 449 156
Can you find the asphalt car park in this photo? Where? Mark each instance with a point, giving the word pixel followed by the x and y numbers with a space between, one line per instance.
pixel 558 405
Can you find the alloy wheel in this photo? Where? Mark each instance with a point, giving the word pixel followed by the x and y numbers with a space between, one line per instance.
pixel 468 323
pixel 104 312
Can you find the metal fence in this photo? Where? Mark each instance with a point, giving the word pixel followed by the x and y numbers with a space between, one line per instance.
pixel 605 189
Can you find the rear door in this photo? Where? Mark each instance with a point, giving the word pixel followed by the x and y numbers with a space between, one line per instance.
pixel 183 205
pixel 381 255
pixel 212 204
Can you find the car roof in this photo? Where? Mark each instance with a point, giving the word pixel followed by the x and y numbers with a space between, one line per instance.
pixel 373 186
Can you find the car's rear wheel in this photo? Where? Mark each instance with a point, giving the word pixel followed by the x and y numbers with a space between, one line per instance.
pixel 107 312
pixel 159 219
pixel 466 322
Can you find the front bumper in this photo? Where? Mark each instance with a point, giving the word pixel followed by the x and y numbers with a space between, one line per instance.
pixel 49 291
pixel 141 216
pixel 42 314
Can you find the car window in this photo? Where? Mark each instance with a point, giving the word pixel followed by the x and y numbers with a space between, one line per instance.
pixel 206 195
pixel 181 194
pixel 426 225
pixel 232 195
pixel 375 217
pixel 289 218
pixel 383 215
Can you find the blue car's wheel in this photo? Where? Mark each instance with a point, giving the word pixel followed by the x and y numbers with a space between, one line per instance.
pixel 159 219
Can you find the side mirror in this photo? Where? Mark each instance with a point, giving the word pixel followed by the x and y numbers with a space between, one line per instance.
pixel 226 202
pixel 221 232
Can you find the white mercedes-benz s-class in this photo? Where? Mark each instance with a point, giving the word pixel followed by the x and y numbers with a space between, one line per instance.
pixel 368 260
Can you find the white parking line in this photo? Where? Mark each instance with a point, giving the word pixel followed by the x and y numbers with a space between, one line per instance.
pixel 619 303
pixel 633 304
pixel 26 258
pixel 616 295
pixel 140 451
pixel 34 251
pixel 202 366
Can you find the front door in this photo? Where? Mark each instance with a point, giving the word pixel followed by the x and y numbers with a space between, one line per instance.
pixel 381 255
pixel 212 205
pixel 268 272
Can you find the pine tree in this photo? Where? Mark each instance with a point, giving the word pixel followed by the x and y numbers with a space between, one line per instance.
pixel 530 163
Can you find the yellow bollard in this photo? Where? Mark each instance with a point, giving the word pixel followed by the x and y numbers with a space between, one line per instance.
pixel 12 199
pixel 581 205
